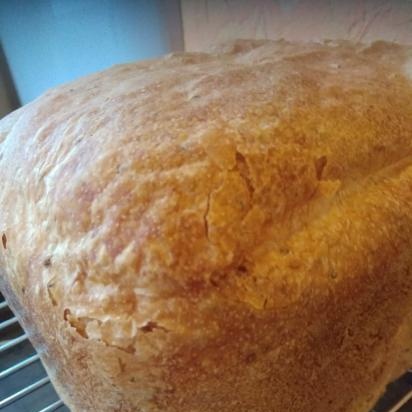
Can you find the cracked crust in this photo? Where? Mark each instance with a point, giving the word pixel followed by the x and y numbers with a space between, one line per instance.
pixel 227 231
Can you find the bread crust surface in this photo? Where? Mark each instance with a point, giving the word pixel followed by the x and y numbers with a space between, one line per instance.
pixel 217 232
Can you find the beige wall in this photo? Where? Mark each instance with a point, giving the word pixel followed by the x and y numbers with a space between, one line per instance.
pixel 207 22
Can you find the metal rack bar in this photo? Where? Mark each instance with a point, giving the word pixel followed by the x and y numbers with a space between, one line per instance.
pixel 18 366
pixel 13 342
pixel 23 392
pixel 52 407
pixel 3 305
pixel 402 402
pixel 8 322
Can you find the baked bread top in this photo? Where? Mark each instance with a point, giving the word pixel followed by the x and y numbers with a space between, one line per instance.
pixel 157 203
pixel 228 175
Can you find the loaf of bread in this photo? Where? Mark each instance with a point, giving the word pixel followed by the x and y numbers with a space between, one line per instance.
pixel 223 232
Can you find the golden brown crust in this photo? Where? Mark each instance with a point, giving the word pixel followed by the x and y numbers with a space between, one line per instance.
pixel 227 231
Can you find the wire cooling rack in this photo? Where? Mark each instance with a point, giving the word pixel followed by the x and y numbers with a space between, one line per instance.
pixel 25 386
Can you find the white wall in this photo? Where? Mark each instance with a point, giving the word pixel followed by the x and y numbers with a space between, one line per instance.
pixel 48 42
pixel 208 22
